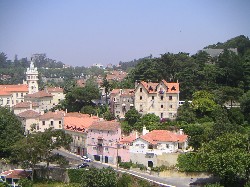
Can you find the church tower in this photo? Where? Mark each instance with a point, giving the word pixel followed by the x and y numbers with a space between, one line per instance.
pixel 32 78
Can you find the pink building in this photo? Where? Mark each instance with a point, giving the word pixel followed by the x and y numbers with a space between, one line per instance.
pixel 103 141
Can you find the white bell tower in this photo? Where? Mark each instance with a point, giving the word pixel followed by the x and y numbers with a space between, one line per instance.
pixel 32 78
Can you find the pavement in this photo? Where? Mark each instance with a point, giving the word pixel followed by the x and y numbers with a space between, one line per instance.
pixel 162 181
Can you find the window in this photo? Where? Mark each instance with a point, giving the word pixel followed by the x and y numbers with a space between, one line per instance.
pixel 106 149
pixel 140 97
pixel 167 146
pixel 60 122
pixel 60 126
pixel 51 123
pixel 16 94
pixel 170 97
pixel 161 115
pixel 114 99
pixel 140 89
pixel 170 106
pixel 153 97
pixel 94 148
pixel 8 101
pixel 170 115
pixel 21 94
pixel 161 97
pixel 161 106
pixel 37 127
pixel 142 146
pixel 43 122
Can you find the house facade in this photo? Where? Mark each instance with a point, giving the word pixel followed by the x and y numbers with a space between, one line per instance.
pixel 103 141
pixel 57 94
pixel 151 148
pixel 23 106
pixel 161 99
pixel 42 98
pixel 30 121
pixel 76 125
pixel 121 100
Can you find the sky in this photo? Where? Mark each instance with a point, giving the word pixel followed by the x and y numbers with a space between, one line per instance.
pixel 83 33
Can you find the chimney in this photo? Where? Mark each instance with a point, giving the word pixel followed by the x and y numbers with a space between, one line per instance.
pixel 136 135
pixel 66 110
pixel 181 132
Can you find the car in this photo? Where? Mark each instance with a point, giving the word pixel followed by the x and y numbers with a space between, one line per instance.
pixel 87 160
pixel 83 165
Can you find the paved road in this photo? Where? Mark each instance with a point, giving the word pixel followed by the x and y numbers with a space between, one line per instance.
pixel 167 181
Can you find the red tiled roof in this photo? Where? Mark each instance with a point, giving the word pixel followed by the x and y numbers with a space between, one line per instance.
pixel 4 93
pixel 77 114
pixel 105 125
pixel 16 174
pixel 125 92
pixel 39 94
pixel 25 104
pixel 151 87
pixel 78 123
pixel 54 89
pixel 116 75
pixel 128 139
pixel 163 136
pixel 29 114
pixel 52 115
pixel 14 88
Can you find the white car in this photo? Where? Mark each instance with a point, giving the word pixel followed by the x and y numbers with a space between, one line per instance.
pixel 86 159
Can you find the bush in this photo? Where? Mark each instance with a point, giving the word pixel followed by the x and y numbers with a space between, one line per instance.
pixel 213 185
pixel 189 162
pixel 25 182
pixel 125 165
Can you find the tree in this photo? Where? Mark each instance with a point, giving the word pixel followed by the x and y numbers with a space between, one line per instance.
pixel 107 87
pixel 38 147
pixel 245 105
pixel 203 103
pixel 10 131
pixel 227 157
pixel 150 121
pixel 132 116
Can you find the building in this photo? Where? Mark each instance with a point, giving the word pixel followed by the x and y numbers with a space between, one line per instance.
pixel 116 76
pixel 216 52
pixel 103 141
pixel 32 78
pixel 30 121
pixel 52 120
pixel 57 94
pixel 158 147
pixel 12 177
pixel 76 125
pixel 26 105
pixel 161 99
pixel 10 95
pixel 42 98
pixel 121 100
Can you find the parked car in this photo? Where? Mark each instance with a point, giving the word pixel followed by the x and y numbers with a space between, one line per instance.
pixel 86 159
pixel 83 165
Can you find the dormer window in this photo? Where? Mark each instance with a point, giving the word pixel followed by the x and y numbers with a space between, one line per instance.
pixel 140 89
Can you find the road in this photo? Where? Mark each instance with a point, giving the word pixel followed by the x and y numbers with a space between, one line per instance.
pixel 167 181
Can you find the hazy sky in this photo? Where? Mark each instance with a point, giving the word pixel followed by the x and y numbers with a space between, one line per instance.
pixel 81 33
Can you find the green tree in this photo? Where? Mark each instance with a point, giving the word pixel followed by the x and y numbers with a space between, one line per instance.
pixel 132 116
pixel 227 157
pixel 150 121
pixel 245 105
pixel 203 103
pixel 107 88
pixel 10 131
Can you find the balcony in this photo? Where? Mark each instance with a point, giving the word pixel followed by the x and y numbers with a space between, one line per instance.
pixel 100 141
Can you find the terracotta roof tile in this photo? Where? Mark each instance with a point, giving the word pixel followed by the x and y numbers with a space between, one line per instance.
pixel 16 174
pixel 105 125
pixel 29 114
pixel 52 115
pixel 54 89
pixel 4 93
pixel 26 104
pixel 14 88
pixel 78 123
pixel 128 139
pixel 39 94
pixel 152 87
pixel 163 136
